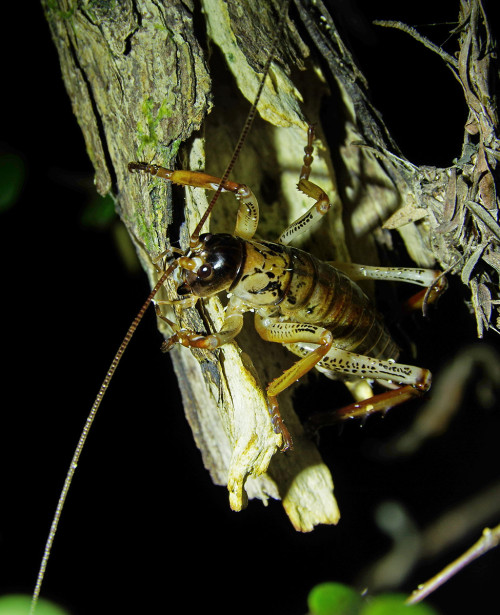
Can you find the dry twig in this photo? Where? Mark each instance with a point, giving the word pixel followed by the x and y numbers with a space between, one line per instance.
pixel 489 540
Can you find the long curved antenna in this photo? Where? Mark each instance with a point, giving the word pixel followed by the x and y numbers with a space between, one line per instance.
pixel 246 126
pixel 85 432
pixel 123 346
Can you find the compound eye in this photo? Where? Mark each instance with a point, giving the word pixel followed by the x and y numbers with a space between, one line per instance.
pixel 205 272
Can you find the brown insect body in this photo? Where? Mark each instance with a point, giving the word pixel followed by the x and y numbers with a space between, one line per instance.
pixel 316 292
pixel 295 286
pixel 312 307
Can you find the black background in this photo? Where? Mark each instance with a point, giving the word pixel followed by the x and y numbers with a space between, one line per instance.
pixel 68 300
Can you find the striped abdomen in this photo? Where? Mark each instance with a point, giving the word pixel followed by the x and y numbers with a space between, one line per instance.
pixel 320 294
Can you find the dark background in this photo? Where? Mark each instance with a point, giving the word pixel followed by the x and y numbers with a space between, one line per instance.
pixel 124 544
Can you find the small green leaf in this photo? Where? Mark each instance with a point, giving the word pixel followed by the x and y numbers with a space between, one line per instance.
pixel 11 179
pixel 99 212
pixel 19 604
pixel 394 604
pixel 333 599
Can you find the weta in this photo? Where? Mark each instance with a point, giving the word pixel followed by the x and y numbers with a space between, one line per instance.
pixel 314 308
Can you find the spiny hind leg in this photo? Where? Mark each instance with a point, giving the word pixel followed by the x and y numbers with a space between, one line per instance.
pixel 433 279
pixel 247 218
pixel 352 365
pixel 363 408
pixel 273 330
pixel 408 382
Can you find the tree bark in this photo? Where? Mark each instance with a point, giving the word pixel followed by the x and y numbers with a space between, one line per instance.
pixel 167 82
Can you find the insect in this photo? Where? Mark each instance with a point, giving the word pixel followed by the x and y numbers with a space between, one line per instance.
pixel 314 308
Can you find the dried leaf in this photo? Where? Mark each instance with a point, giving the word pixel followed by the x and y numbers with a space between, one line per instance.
pixel 471 263
pixel 405 215
pixel 485 181
pixel 485 216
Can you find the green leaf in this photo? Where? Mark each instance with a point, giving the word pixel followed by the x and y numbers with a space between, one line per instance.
pixel 99 212
pixel 11 179
pixel 394 604
pixel 333 599
pixel 19 604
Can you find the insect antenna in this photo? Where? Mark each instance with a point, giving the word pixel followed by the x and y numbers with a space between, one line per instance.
pixel 85 432
pixel 135 323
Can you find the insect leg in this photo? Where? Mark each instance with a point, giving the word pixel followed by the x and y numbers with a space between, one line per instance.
pixel 272 330
pixel 233 323
pixel 305 171
pixel 434 280
pixel 248 211
pixel 361 409
pixel 186 302
pixel 415 381
pixel 413 275
pixel 360 366
pixel 322 204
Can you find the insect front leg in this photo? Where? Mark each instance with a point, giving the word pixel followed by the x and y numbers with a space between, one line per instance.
pixel 247 218
pixel 233 323
pixel 187 302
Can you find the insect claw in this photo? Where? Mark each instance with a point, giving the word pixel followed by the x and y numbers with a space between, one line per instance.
pixel 137 166
pixel 167 344
pixel 279 426
pixel 287 441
